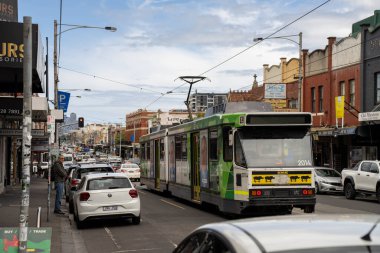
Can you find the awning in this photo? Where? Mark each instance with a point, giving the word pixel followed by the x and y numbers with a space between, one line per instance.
pixel 335 131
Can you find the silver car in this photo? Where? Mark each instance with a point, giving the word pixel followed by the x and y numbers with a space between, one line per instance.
pixel 288 234
pixel 327 180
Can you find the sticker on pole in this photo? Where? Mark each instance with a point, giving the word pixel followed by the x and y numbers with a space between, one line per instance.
pixel 39 240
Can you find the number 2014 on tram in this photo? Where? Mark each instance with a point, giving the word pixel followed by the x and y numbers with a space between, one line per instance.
pixel 239 162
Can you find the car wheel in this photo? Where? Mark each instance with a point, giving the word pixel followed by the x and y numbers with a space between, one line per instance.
pixel 317 188
pixel 378 193
pixel 136 220
pixel 349 191
pixel 309 209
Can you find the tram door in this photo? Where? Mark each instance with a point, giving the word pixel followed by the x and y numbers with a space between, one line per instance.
pixel 195 177
pixel 157 164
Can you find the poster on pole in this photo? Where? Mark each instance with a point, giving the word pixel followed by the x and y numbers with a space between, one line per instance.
pixel 39 239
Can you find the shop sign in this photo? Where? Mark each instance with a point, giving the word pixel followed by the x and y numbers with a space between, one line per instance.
pixel 277 103
pixel 11 106
pixel 339 107
pixel 369 116
pixel 18 132
pixel 39 239
pixel 8 10
pixel 275 90
pixel 12 57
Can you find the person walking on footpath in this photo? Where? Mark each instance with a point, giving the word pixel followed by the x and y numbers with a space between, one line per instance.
pixel 59 180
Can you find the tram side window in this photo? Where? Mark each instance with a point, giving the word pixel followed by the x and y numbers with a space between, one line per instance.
pixel 227 149
pixel 178 146
pixel 148 151
pixel 184 148
pixel 213 145
pixel 162 150
pixel 142 152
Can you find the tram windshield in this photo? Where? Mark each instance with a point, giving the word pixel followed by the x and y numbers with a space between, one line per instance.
pixel 273 147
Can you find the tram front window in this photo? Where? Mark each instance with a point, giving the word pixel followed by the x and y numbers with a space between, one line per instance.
pixel 274 147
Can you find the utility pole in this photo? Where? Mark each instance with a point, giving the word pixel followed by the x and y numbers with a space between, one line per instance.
pixel 134 138
pixel 120 139
pixel 55 62
pixel 26 134
pixel 300 74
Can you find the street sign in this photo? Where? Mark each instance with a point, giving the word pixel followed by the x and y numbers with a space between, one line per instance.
pixel 50 123
pixel 18 132
pixel 369 116
pixel 63 100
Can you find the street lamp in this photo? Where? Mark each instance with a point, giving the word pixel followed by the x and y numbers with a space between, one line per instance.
pixel 299 43
pixel 56 34
pixel 75 89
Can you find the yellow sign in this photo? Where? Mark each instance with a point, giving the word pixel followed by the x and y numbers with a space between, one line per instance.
pixel 339 107
pixel 277 103
pixel 281 178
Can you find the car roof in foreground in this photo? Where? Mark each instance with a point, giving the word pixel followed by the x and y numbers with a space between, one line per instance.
pixel 285 233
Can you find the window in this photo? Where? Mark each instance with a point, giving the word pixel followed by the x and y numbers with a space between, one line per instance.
pixel 213 145
pixel 313 99
pixel 366 166
pixel 142 152
pixel 227 148
pixel 377 87
pixel 342 88
pixel 148 151
pixel 184 148
pixel 320 93
pixel 162 150
pixel 293 103
pixel 178 147
pixel 352 92
pixel 239 153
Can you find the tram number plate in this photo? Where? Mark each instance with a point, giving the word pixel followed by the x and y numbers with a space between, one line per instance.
pixel 109 208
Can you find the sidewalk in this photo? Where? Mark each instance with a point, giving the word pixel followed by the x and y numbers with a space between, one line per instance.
pixel 60 224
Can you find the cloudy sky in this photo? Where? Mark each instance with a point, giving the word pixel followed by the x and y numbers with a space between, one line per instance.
pixel 159 40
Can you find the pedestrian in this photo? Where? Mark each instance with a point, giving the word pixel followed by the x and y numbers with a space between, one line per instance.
pixel 59 180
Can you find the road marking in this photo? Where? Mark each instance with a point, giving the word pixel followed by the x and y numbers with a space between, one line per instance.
pixel 141 192
pixel 112 237
pixel 175 245
pixel 167 202
pixel 135 250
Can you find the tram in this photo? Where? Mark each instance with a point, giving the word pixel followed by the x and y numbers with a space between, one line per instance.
pixel 238 162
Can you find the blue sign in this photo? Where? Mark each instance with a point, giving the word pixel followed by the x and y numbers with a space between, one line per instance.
pixel 63 100
pixel 132 138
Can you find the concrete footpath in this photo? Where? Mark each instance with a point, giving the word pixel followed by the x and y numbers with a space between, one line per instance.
pixel 64 238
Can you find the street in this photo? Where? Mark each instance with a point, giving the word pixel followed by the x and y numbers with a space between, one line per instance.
pixel 166 221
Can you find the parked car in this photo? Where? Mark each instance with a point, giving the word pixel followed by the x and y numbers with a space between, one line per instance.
pixel 131 170
pixel 327 180
pixel 70 182
pixel 103 196
pixel 363 179
pixel 80 172
pixel 287 234
pixel 44 166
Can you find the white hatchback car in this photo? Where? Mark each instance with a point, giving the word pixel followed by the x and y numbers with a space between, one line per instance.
pixel 104 196
pixel 131 170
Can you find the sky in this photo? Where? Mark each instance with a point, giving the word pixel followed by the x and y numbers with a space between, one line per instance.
pixel 157 41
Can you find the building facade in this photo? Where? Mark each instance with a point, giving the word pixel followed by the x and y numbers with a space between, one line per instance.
pixel 199 102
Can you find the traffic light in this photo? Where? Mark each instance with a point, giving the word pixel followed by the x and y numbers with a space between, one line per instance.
pixel 81 122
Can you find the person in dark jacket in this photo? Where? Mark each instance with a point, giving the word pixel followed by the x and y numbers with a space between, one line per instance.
pixel 59 180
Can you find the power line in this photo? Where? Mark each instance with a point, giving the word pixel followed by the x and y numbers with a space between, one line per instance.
pixel 246 49
pixel 110 80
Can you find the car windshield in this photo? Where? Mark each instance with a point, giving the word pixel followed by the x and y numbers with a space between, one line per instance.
pixel 327 173
pixel 68 158
pixel 115 164
pixel 108 183
pixel 129 166
pixel 269 147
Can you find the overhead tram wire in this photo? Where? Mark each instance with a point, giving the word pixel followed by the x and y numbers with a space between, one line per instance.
pixel 110 80
pixel 246 49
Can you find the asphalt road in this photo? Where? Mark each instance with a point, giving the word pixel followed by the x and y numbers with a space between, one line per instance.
pixel 166 221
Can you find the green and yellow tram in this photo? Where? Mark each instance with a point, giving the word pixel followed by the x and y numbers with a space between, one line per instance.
pixel 237 162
